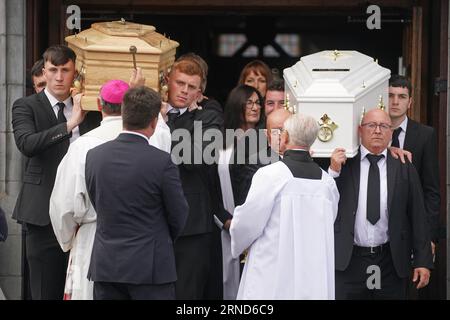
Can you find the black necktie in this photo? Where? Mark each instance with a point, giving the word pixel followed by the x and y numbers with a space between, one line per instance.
pixel 61 117
pixel 395 141
pixel 172 115
pixel 373 189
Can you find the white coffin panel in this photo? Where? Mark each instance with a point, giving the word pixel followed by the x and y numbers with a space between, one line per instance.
pixel 340 84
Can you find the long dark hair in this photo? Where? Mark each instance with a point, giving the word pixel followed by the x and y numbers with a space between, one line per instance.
pixel 234 113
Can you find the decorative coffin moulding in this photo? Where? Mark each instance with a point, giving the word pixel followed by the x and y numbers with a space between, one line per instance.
pixel 336 88
pixel 103 53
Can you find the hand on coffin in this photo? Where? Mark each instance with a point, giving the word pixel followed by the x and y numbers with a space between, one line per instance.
pixel 400 153
pixel 338 158
pixel 137 78
pixel 76 89
pixel 78 113
pixel 422 275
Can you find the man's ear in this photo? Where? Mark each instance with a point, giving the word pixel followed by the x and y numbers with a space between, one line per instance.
pixel 154 122
pixel 410 102
pixel 269 137
pixel 285 137
pixel 99 104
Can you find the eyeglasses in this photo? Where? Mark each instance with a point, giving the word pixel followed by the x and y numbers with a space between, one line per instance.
pixel 276 131
pixel 250 103
pixel 373 126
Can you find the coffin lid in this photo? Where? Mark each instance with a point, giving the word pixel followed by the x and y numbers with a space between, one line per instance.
pixel 118 36
pixel 334 74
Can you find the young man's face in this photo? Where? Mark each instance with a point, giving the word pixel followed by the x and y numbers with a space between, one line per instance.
pixel 274 101
pixel 183 89
pixel 399 102
pixel 39 83
pixel 59 79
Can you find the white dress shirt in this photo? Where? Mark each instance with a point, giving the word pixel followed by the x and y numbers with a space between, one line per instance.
pixel 402 134
pixel 67 111
pixel 367 234
pixel 169 109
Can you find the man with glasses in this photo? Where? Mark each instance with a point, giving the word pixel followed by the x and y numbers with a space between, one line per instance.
pixel 381 218
pixel 275 124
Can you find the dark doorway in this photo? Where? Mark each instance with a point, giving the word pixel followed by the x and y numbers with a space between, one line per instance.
pixel 227 41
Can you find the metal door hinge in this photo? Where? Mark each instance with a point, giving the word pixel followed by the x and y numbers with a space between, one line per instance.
pixel 440 85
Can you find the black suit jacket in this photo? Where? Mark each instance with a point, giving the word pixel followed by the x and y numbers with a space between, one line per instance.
pixel 197 178
pixel 407 225
pixel 136 191
pixel 39 137
pixel 422 142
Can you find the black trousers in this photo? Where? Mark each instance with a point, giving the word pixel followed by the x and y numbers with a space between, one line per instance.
pixel 356 282
pixel 214 284
pixel 193 261
pixel 127 291
pixel 47 263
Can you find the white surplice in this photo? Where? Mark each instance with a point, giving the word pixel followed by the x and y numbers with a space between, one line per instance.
pixel 287 224
pixel 72 216
pixel 230 264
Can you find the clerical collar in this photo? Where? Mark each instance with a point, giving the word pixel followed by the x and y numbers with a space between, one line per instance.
pixel 298 154
pixel 182 110
pixel 111 118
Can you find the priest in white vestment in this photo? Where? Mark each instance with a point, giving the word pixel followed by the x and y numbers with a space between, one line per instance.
pixel 286 223
pixel 72 216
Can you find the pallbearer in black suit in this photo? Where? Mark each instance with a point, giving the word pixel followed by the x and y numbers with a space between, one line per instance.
pixel 141 210
pixel 421 141
pixel 381 218
pixel 193 249
pixel 44 124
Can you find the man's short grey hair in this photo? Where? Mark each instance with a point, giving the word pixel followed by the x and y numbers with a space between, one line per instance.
pixel 302 129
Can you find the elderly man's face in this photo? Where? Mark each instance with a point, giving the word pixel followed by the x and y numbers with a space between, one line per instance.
pixel 375 131
pixel 275 123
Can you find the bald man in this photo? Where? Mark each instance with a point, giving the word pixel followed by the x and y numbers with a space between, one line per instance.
pixel 275 124
pixel 380 225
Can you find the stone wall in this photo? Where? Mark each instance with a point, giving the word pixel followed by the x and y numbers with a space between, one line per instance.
pixel 448 160
pixel 12 87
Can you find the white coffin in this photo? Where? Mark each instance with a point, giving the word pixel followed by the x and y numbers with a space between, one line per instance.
pixel 342 85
